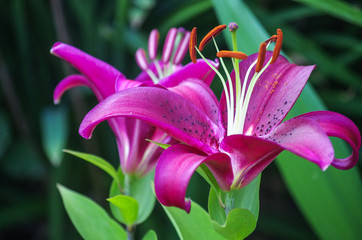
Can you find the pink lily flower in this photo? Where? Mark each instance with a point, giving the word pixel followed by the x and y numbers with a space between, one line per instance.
pixel 239 136
pixel 137 155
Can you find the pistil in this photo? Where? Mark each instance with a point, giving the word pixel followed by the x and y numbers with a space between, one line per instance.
pixel 236 115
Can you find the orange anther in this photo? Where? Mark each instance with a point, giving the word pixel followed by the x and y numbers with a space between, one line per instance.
pixel 213 33
pixel 278 46
pixel 261 57
pixel 192 45
pixel 232 54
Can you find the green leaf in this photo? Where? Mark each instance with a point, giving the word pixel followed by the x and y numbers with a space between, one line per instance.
pixel 91 221
pixel 150 235
pixel 139 189
pixel 195 225
pixel 239 224
pixel 99 162
pixel 205 172
pixel 162 145
pixel 5 133
pixel 183 14
pixel 338 9
pixel 128 208
pixel 243 215
pixel 54 128
pixel 330 201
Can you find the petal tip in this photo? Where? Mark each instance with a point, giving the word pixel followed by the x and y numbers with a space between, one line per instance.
pixel 187 205
pixel 55 45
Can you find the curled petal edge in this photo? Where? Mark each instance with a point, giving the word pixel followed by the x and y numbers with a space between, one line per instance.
pixel 175 168
pixel 338 125
pixel 69 82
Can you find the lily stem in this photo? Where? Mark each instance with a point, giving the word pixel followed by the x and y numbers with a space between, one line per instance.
pixel 130 229
pixel 229 203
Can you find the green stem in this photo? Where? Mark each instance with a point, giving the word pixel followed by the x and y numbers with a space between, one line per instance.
pixel 130 229
pixel 229 203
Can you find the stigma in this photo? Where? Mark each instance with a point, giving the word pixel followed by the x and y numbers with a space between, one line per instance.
pixel 237 95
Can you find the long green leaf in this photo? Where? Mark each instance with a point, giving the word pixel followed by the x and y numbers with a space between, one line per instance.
pixel 195 225
pixel 330 200
pixel 99 162
pixel 91 221
pixel 338 9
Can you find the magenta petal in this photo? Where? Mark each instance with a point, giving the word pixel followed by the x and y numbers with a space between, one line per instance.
pixel 197 92
pixel 337 125
pixel 175 168
pixel 274 93
pixel 304 137
pixel 164 109
pixel 249 156
pixel 101 74
pixel 122 84
pixel 200 70
pixel 70 82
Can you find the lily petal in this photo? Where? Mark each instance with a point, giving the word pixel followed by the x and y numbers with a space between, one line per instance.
pixel 337 125
pixel 199 70
pixel 275 94
pixel 101 74
pixel 249 155
pixel 197 92
pixel 306 138
pixel 175 168
pixel 71 81
pixel 169 111
pixel 122 84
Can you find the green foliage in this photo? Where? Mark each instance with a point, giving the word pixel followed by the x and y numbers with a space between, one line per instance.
pixel 195 225
pixel 91 221
pixel 337 8
pixel 54 122
pixel 242 207
pixel 128 208
pixel 140 190
pixel 150 235
pixel 99 162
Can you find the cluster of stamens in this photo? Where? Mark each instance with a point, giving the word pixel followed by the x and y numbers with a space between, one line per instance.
pixel 174 50
pixel 237 96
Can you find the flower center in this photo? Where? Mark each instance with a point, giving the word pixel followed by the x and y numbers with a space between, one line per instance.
pixel 237 96
pixel 174 50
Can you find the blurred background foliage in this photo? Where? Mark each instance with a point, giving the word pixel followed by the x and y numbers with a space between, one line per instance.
pixel 33 131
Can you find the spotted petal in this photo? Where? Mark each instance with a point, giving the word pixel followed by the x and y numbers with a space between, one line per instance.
pixel 169 111
pixel 275 94
pixel 175 168
pixel 306 138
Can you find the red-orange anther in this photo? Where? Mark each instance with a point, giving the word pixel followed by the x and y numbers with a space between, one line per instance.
pixel 278 46
pixel 192 45
pixel 213 33
pixel 232 54
pixel 261 57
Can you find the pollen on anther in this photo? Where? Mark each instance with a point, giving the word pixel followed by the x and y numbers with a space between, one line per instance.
pixel 278 46
pixel 261 57
pixel 213 33
pixel 232 54
pixel 192 45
